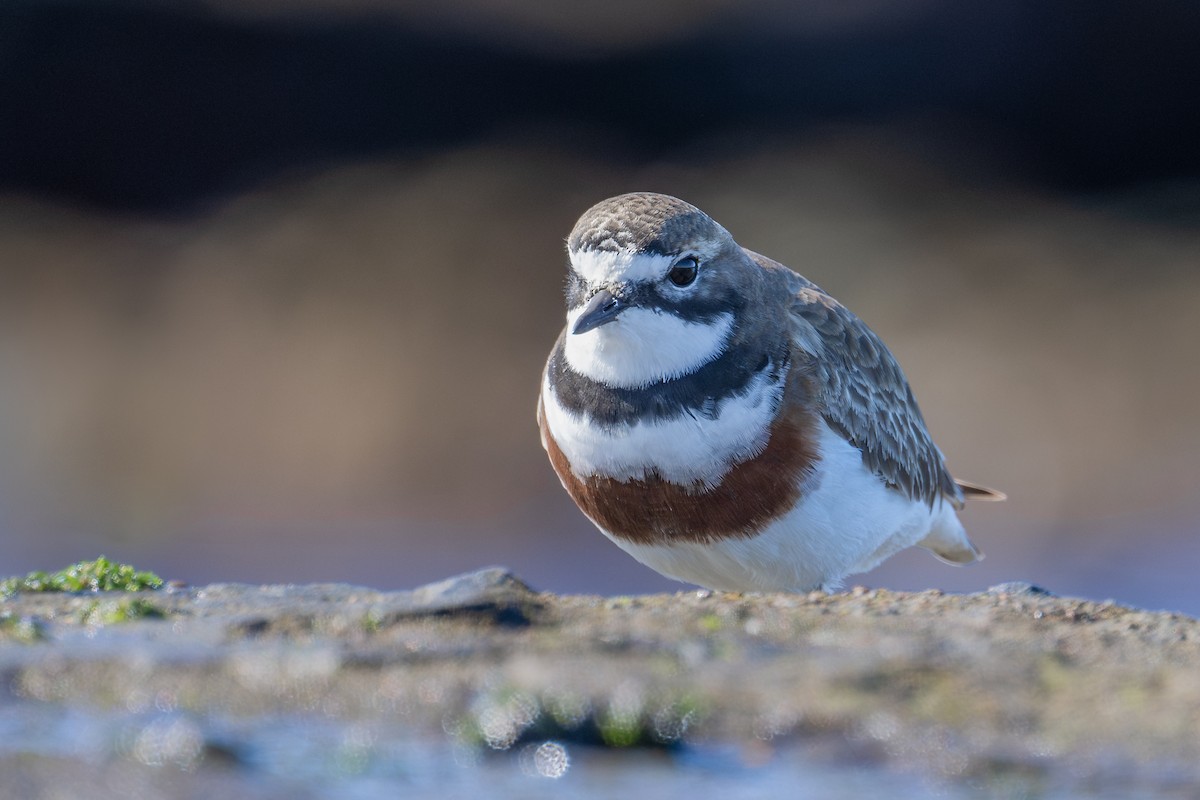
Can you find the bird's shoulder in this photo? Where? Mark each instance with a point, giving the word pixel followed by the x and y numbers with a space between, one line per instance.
pixel 861 391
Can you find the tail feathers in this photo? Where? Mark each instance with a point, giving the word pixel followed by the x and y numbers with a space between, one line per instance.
pixel 958 552
pixel 973 491
pixel 948 540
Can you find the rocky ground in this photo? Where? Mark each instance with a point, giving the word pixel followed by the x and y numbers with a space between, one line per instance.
pixel 1010 684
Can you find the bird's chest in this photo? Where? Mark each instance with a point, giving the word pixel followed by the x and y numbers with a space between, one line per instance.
pixel 695 477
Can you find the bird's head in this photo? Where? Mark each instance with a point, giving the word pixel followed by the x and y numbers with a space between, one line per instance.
pixel 655 290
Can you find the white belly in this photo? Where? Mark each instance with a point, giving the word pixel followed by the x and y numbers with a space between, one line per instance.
pixel 849 521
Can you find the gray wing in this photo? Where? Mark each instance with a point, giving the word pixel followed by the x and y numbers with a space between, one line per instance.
pixel 865 396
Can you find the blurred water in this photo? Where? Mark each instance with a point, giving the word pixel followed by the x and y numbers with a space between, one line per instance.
pixel 52 752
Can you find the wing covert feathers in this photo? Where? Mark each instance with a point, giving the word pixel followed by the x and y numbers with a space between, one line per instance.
pixel 866 398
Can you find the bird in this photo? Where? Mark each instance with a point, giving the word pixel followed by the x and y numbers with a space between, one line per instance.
pixel 728 423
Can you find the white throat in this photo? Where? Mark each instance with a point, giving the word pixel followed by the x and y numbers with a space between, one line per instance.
pixel 644 346
pixel 684 450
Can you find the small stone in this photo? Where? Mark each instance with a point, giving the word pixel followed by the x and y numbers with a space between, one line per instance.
pixel 1019 588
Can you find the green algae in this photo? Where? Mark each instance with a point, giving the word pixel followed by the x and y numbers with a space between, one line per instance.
pixel 501 719
pixel 100 575
pixel 26 629
pixel 112 612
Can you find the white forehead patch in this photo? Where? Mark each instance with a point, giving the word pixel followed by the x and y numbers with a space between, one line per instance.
pixel 600 267
pixel 644 346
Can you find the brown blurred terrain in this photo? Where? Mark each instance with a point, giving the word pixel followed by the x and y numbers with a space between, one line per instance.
pixel 301 341
pixel 1006 693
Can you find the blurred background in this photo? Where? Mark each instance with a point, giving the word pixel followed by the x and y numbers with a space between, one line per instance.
pixel 277 277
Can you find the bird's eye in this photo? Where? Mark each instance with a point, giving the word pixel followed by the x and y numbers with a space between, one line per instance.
pixel 684 271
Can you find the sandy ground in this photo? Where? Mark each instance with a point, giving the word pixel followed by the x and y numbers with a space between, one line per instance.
pixel 980 687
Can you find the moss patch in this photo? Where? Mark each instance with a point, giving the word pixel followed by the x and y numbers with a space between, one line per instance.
pixel 100 575
pixel 22 628
pixel 505 718
pixel 110 612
